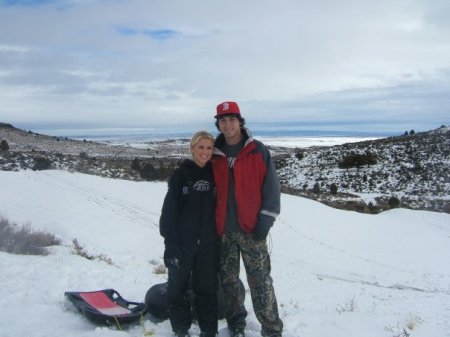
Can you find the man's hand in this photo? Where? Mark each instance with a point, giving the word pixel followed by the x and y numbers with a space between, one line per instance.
pixel 262 227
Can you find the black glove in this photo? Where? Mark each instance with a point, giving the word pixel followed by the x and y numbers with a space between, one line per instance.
pixel 262 227
pixel 172 257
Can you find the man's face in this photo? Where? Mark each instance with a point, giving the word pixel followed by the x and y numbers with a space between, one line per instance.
pixel 231 129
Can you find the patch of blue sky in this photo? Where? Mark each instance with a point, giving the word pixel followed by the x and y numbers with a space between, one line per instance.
pixel 26 2
pixel 156 34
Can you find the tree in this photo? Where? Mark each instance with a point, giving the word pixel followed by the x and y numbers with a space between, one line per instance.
pixel 346 162
pixel 357 160
pixel 371 159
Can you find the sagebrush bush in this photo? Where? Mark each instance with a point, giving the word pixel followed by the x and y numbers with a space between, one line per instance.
pixel 148 172
pixel 81 251
pixel 136 164
pixel 394 202
pixel 316 188
pixel 4 146
pixel 17 239
pixel 333 189
pixel 41 163
pixel 299 155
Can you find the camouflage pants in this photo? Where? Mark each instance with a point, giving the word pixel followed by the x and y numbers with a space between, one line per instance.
pixel 257 266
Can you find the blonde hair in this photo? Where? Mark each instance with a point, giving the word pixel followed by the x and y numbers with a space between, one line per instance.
pixel 200 135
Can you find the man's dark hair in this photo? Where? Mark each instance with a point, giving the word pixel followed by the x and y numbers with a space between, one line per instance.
pixel 241 120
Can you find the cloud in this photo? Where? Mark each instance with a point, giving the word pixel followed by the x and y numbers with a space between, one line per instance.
pixel 140 63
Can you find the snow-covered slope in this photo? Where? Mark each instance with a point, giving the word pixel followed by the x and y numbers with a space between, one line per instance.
pixel 336 273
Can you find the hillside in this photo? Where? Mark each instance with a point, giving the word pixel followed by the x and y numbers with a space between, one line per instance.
pixel 29 150
pixel 410 171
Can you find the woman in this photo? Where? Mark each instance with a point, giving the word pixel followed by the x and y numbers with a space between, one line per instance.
pixel 188 227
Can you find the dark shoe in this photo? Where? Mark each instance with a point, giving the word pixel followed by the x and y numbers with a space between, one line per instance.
pixel 207 334
pixel 182 334
pixel 270 334
pixel 237 332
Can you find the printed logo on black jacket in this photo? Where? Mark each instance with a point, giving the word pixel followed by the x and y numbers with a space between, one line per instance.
pixel 201 186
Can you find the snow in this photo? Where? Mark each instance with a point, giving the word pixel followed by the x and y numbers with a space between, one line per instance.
pixel 305 142
pixel 336 273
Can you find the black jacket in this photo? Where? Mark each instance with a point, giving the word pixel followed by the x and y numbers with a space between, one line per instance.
pixel 187 217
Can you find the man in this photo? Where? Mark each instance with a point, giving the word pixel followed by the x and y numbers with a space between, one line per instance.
pixel 248 201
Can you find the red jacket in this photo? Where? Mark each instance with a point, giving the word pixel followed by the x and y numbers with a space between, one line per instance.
pixel 257 187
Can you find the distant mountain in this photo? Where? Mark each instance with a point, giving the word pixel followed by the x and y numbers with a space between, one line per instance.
pixel 409 171
pixel 6 125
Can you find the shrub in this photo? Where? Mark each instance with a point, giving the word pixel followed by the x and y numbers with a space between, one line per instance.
pixel 333 189
pixel 279 163
pixel 393 202
pixel 16 239
pixel 83 155
pixel 299 155
pixel 4 146
pixel 316 188
pixel 149 172
pixel 135 164
pixel 81 251
pixel 41 163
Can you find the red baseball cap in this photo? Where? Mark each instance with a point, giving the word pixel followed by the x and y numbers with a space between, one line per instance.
pixel 227 108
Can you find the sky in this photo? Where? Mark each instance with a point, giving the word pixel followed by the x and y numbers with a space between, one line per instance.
pixel 336 273
pixel 381 66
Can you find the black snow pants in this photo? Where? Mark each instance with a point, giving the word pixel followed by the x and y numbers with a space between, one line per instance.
pixel 196 276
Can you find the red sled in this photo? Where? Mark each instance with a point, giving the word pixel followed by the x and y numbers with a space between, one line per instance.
pixel 106 307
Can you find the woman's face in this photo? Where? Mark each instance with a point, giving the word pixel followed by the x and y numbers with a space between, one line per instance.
pixel 202 151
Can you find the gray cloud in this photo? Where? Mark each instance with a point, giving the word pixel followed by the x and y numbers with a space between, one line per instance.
pixel 137 63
